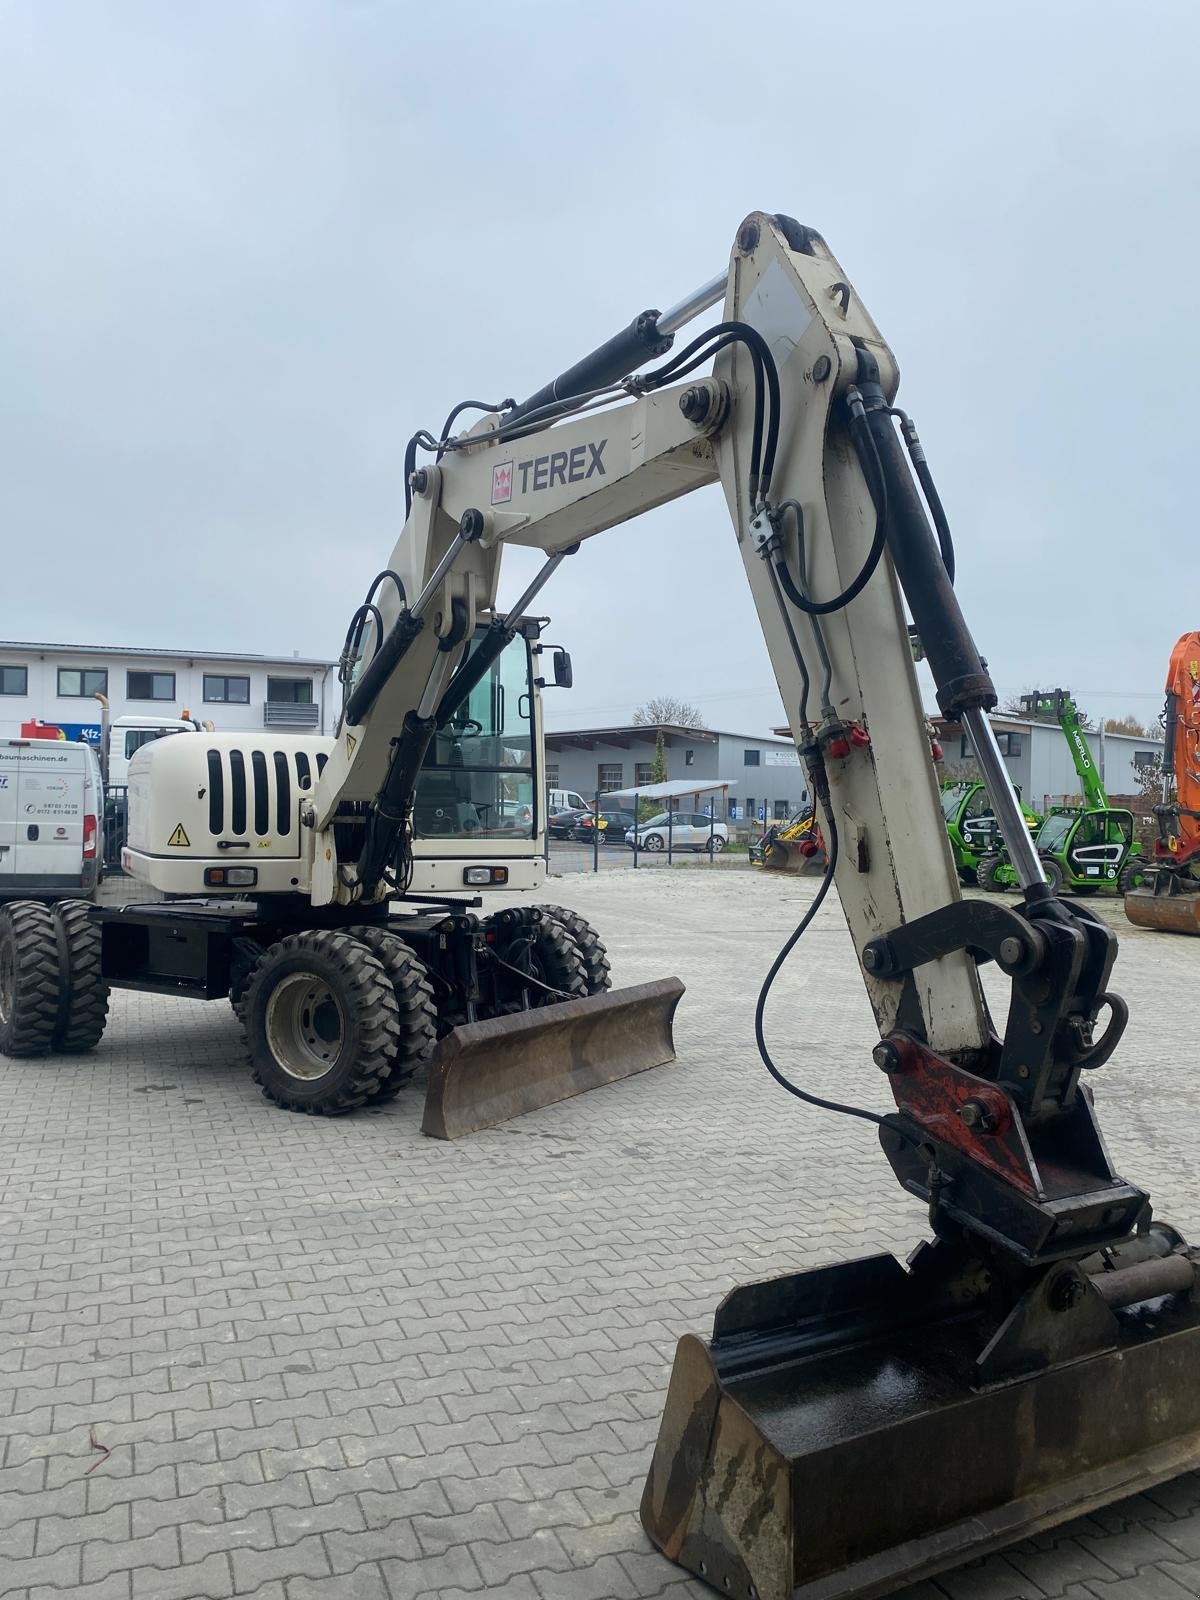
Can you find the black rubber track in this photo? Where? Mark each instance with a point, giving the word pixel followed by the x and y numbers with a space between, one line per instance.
pixel 414 1001
pixel 589 944
pixel 30 975
pixel 372 1023
pixel 83 1003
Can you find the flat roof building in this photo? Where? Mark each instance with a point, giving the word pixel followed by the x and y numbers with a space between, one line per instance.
pixel 763 773
pixel 56 683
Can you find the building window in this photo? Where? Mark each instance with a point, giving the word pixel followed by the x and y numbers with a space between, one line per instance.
pixel 752 758
pixel 783 810
pixel 1141 758
pixel 14 680
pixel 751 813
pixel 150 685
pixel 232 691
pixel 552 775
pixel 74 683
pixel 290 691
pixel 643 772
pixel 1010 743
pixel 610 776
pixel 689 758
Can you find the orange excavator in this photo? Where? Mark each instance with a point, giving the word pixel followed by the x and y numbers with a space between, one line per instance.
pixel 1169 897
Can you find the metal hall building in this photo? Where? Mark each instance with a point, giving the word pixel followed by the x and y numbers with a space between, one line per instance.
pixel 763 772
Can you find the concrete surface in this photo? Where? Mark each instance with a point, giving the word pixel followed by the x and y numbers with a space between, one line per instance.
pixel 333 1359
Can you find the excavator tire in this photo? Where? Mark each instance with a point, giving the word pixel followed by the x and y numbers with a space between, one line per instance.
pixel 247 953
pixel 985 874
pixel 414 1003
pixel 30 979
pixel 83 1001
pixel 322 1023
pixel 596 964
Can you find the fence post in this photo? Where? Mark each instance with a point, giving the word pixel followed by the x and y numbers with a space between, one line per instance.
pixel 670 827
pixel 712 829
pixel 596 833
pixel 637 822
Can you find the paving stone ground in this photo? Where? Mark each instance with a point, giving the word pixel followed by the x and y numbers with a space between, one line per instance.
pixel 247 1353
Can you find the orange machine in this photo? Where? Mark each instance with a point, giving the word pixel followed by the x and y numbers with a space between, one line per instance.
pixel 1170 894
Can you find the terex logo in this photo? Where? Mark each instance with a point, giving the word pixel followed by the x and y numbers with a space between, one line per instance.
pixel 543 472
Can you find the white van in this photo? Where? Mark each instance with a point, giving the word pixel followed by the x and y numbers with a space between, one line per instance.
pixel 566 800
pixel 51 820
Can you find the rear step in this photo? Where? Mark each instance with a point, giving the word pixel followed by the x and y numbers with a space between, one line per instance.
pixel 486 1072
pixel 837 1441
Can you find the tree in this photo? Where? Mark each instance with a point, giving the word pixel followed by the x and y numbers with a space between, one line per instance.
pixel 665 709
pixel 1130 725
pixel 658 767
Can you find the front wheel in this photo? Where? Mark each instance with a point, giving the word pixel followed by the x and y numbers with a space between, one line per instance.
pixel 985 874
pixel 1054 874
pixel 653 841
pixel 414 1002
pixel 588 943
pixel 322 1023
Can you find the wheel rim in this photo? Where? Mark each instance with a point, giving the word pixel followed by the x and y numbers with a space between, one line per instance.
pixel 8 980
pixel 653 842
pixel 305 1026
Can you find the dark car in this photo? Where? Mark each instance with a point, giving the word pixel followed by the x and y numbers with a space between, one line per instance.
pixel 562 824
pixel 613 823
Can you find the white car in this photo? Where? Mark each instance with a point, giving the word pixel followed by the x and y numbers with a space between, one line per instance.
pixel 689 830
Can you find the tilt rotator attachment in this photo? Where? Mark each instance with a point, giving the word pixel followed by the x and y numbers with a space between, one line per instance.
pixel 859 1427
pixel 856 1428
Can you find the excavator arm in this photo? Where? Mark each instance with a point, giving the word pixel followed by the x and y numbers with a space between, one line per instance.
pixel 866 1385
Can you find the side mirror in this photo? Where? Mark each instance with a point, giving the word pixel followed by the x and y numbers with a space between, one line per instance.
pixel 564 677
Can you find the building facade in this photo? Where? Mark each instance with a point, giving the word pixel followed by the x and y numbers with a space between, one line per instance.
pixel 763 773
pixel 56 683
pixel 1039 758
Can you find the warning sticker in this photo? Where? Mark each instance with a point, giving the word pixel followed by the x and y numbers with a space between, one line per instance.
pixel 351 742
pixel 179 838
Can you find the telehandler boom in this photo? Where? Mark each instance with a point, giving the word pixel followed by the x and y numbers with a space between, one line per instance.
pixel 851 1428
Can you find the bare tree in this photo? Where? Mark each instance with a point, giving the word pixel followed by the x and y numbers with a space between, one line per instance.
pixel 665 709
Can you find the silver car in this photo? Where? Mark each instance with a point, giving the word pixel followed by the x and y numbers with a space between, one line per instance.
pixel 689 830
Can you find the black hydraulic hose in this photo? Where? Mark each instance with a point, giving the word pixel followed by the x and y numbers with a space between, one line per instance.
pixel 878 486
pixel 920 462
pixel 467 405
pixel 382 577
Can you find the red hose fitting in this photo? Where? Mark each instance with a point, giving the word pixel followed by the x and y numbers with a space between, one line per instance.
pixel 809 848
pixel 839 747
pixel 859 736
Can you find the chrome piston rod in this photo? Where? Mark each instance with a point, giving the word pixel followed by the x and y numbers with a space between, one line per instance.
pixel 1005 805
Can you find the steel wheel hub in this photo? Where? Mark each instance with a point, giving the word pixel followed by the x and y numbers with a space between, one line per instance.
pixel 305 1026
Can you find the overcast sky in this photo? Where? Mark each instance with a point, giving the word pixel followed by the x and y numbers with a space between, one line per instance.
pixel 248 248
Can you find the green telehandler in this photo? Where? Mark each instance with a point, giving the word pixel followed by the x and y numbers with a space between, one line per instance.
pixel 971 824
pixel 1088 848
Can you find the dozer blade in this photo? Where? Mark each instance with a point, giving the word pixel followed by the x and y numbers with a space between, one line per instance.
pixel 1171 913
pixel 487 1072
pixel 834 1442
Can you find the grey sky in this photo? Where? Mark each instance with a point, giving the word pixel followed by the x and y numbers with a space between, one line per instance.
pixel 250 247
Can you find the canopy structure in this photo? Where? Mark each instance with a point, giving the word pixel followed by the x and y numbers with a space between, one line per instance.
pixel 674 789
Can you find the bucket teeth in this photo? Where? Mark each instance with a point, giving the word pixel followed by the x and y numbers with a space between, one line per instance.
pixel 486 1072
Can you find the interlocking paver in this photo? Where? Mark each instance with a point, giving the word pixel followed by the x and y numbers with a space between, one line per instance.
pixel 336 1361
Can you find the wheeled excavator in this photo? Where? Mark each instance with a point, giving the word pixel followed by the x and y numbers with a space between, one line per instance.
pixel 1169 896
pixel 850 1428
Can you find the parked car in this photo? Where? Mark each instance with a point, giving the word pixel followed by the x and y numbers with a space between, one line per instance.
pixel 51 820
pixel 611 823
pixel 561 824
pixel 689 830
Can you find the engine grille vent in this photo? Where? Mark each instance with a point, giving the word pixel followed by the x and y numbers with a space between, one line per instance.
pixel 257 797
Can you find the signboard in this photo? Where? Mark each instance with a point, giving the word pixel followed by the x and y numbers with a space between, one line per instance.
pixel 781 758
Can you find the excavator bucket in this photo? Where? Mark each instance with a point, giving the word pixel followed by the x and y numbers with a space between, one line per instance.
pixel 486 1072
pixel 842 1437
pixel 1170 913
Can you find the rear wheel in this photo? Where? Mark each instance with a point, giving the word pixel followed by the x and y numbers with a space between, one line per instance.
pixel 30 978
pixel 985 874
pixel 83 1008
pixel 1133 875
pixel 596 965
pixel 415 1005
pixel 322 1023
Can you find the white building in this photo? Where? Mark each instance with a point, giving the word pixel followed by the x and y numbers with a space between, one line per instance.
pixel 56 683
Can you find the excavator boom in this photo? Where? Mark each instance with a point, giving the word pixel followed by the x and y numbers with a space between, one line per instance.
pixel 1169 898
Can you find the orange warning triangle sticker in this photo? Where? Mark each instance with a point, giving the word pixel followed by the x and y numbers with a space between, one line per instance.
pixel 179 837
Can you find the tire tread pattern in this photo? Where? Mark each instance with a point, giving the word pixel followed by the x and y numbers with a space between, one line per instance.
pixel 37 978
pixel 597 966
pixel 84 1009
pixel 414 1001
